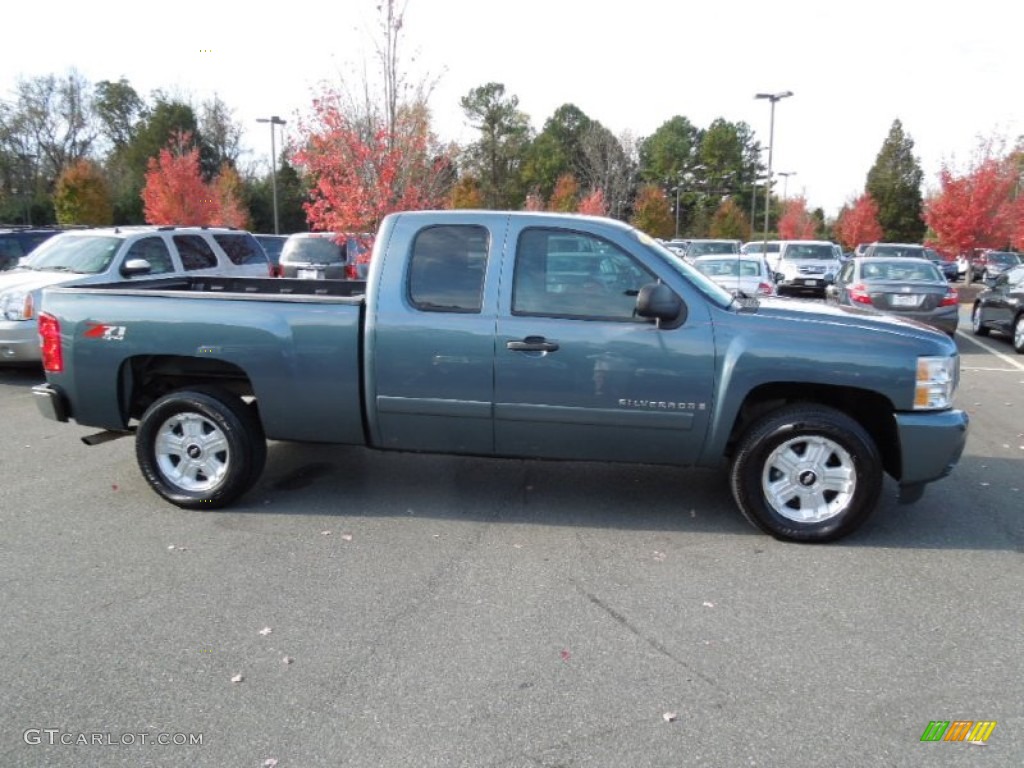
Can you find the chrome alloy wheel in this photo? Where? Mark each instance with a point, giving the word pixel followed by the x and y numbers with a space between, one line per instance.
pixel 192 452
pixel 1018 334
pixel 976 318
pixel 809 479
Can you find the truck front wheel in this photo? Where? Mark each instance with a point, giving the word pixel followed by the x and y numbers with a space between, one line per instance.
pixel 806 473
pixel 200 449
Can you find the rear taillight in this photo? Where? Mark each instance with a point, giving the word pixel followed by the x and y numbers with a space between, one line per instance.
pixel 951 299
pixel 764 289
pixel 28 311
pixel 351 273
pixel 859 294
pixel 49 340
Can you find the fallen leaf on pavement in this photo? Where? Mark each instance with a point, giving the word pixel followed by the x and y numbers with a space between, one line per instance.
pixel 237 679
pixel 670 717
pixel 266 631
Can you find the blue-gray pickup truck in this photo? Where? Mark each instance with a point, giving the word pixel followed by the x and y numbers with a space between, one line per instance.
pixel 511 335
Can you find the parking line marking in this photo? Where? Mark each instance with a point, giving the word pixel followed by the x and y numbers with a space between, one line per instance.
pixel 993 370
pixel 1002 356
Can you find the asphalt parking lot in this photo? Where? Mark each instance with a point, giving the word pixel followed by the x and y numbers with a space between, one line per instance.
pixel 371 609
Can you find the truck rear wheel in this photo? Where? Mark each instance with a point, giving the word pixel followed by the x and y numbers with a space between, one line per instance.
pixel 806 473
pixel 200 449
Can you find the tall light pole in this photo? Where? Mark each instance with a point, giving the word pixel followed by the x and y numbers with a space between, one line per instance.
pixel 274 120
pixel 785 183
pixel 773 98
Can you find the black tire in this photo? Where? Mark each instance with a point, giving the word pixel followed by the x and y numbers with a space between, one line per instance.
pixel 799 433
pixel 976 326
pixel 225 433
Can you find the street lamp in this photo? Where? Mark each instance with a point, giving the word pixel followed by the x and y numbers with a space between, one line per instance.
pixel 785 183
pixel 273 120
pixel 773 98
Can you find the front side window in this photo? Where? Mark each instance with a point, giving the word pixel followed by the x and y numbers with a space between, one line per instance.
pixel 446 269
pixel 195 252
pixel 595 280
pixel 154 250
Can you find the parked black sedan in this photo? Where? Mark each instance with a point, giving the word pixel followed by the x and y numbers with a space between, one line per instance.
pixel 903 286
pixel 1001 307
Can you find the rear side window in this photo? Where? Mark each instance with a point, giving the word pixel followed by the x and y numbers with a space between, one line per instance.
pixel 195 252
pixel 314 250
pixel 446 270
pixel 241 248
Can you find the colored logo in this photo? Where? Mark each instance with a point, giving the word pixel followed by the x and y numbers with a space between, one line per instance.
pixel 958 730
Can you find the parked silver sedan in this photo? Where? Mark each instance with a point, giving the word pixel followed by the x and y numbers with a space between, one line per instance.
pixel 740 275
pixel 905 287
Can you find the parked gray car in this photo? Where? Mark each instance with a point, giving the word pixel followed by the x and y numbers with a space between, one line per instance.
pixel 903 286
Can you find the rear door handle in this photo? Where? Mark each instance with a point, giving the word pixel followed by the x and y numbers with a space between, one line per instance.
pixel 533 344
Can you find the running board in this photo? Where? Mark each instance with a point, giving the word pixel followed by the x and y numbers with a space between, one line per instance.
pixel 106 436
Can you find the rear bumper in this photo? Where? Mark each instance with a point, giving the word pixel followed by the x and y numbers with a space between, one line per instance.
pixel 930 445
pixel 804 286
pixel 51 402
pixel 19 342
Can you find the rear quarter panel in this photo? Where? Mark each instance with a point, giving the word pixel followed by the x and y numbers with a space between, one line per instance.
pixel 301 354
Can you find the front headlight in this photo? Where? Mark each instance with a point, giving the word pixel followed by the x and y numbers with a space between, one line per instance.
pixel 16 305
pixel 937 378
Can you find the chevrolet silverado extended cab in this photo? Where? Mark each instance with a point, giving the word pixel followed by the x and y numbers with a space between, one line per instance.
pixel 511 335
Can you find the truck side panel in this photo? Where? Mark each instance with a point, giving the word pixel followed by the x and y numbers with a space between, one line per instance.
pixel 301 357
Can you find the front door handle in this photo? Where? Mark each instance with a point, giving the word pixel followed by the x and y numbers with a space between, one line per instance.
pixel 533 344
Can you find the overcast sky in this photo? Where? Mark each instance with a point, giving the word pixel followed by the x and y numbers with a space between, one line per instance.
pixel 950 73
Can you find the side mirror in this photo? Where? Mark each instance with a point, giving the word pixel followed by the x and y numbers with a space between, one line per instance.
pixel 830 279
pixel 660 302
pixel 779 277
pixel 134 267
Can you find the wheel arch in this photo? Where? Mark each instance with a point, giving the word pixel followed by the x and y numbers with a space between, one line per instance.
pixel 873 411
pixel 144 379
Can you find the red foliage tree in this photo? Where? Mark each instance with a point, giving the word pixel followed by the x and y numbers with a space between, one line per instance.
pixel 594 204
pixel 796 222
pixel 227 191
pixel 361 174
pixel 859 223
pixel 563 198
pixel 534 201
pixel 175 192
pixel 975 210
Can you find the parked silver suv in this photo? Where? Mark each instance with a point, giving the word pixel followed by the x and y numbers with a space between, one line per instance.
pixel 84 257
pixel 806 267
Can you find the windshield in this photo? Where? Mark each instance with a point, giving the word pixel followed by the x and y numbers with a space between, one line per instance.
pixel 822 251
pixel 1003 258
pixel 729 267
pixel 900 251
pixel 702 282
pixel 700 249
pixel 83 254
pixel 903 271
pixel 758 246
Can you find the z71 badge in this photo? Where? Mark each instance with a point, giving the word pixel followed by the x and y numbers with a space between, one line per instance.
pixel 105 332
